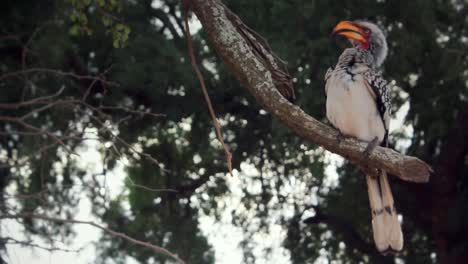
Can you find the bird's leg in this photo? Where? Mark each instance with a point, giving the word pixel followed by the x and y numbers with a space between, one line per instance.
pixel 371 146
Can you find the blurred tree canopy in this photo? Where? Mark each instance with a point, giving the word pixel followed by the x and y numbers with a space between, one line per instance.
pixel 109 68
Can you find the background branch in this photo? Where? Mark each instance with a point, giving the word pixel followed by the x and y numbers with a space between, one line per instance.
pixel 157 249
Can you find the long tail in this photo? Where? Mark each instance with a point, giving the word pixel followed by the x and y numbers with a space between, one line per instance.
pixel 385 225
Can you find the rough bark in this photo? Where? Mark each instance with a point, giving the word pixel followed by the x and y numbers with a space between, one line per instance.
pixel 253 73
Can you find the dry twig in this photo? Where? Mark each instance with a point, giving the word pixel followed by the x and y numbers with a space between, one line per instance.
pixel 10 240
pixel 203 86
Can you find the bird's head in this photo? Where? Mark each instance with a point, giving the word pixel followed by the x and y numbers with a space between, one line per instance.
pixel 365 35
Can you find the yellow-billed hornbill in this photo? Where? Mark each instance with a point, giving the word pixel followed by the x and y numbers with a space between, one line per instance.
pixel 358 105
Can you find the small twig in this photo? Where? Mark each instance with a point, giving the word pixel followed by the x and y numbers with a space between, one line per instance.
pixel 10 240
pixel 131 111
pixel 25 47
pixel 107 14
pixel 86 94
pixel 157 249
pixel 148 188
pixel 101 78
pixel 22 133
pixel 47 106
pixel 25 160
pixel 120 140
pixel 36 195
pixel 58 72
pixel 20 121
pixel 203 86
pixel 38 100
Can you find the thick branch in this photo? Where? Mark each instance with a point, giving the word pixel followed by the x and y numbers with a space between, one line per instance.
pixel 254 74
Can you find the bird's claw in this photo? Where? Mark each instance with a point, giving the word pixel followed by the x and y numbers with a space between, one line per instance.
pixel 340 137
pixel 371 146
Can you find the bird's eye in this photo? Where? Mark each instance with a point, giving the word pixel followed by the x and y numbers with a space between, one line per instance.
pixel 367 31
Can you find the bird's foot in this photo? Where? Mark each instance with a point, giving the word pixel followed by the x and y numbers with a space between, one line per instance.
pixel 371 146
pixel 340 137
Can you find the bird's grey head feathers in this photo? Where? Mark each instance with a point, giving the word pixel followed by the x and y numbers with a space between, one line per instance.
pixel 377 41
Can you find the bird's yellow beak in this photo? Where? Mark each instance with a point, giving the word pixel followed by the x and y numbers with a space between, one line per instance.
pixel 352 31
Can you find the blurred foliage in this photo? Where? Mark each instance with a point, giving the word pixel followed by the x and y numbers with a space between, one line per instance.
pixel 81 11
pixel 282 179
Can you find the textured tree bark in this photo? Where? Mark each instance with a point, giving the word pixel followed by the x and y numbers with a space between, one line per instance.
pixel 254 74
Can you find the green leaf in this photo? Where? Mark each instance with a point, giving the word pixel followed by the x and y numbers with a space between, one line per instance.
pixel 73 17
pixel 106 21
pixel 74 30
pixel 101 3
pixel 120 27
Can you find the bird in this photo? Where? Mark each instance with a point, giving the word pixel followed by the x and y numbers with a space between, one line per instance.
pixel 358 104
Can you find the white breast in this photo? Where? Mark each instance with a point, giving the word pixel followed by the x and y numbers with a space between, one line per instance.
pixel 351 108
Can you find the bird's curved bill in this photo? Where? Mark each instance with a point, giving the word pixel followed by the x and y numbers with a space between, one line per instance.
pixel 350 30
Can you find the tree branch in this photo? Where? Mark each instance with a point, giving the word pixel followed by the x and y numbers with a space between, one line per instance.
pixel 10 240
pixel 57 72
pixel 255 75
pixel 157 249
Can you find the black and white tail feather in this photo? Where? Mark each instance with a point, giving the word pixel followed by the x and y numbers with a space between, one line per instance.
pixel 388 236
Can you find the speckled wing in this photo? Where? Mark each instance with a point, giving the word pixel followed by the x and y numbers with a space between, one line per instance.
pixel 327 76
pixel 379 89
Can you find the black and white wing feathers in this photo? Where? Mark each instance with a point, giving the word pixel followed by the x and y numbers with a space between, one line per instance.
pixel 380 89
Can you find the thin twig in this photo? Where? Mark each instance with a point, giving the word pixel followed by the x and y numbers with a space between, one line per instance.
pixel 10 240
pixel 120 140
pixel 86 94
pixel 47 106
pixel 157 249
pixel 19 121
pixel 133 184
pixel 131 111
pixel 101 78
pixel 203 86
pixel 38 100
pixel 57 72
pixel 25 160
